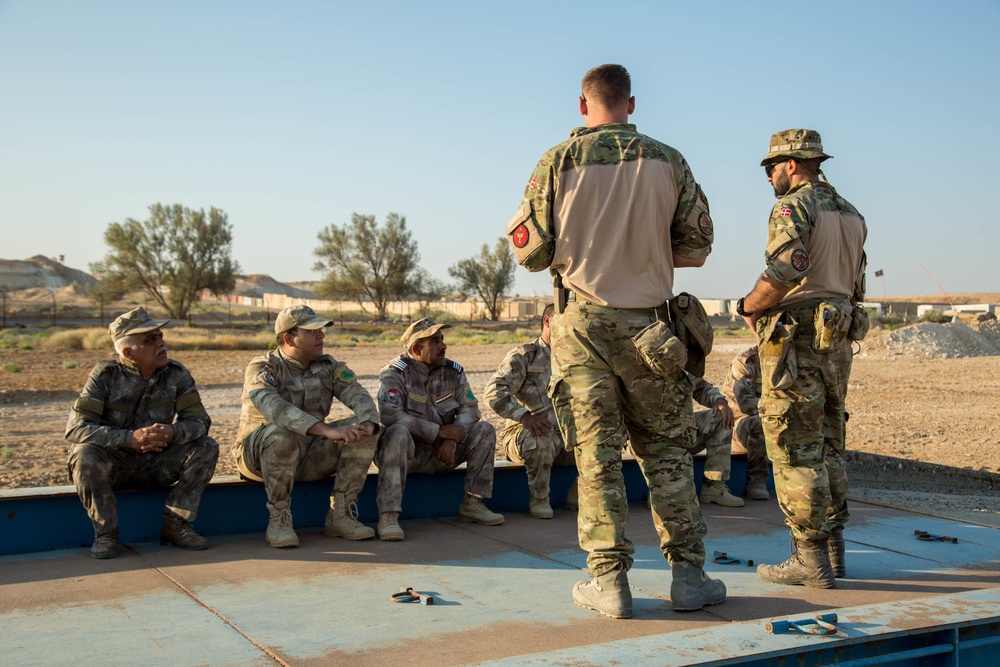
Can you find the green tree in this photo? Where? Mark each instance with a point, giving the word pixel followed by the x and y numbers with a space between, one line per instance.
pixel 490 275
pixel 364 260
pixel 173 255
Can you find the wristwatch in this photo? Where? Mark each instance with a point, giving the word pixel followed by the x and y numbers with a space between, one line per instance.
pixel 739 308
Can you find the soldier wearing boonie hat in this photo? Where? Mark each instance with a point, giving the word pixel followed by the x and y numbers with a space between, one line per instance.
pixel 431 424
pixel 810 289
pixel 284 437
pixel 130 429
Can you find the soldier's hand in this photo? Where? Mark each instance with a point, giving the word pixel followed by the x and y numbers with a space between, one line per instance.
pixel 446 452
pixel 347 434
pixel 451 432
pixel 722 407
pixel 154 438
pixel 538 426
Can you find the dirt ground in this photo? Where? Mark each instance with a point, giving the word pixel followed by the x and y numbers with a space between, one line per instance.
pixel 941 411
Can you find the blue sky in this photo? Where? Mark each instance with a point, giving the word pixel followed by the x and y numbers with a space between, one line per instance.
pixel 290 116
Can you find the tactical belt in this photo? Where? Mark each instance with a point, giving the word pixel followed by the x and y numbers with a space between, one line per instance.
pixel 658 312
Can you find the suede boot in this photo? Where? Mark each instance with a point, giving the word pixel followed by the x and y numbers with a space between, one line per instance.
pixel 540 508
pixel 342 521
pixel 809 565
pixel 692 589
pixel 609 594
pixel 279 527
pixel 716 491
pixel 838 553
pixel 388 527
pixel 473 510
pixel 105 545
pixel 177 532
pixel 756 489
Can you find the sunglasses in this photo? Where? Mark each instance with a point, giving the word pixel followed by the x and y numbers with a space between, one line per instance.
pixel 769 168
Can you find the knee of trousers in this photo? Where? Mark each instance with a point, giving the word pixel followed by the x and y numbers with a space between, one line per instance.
pixel 395 445
pixel 205 451
pixel 89 462
pixel 481 434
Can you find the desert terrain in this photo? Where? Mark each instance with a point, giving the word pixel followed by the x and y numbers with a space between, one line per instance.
pixel 926 392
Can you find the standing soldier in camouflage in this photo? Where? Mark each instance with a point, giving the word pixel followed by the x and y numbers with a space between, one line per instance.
pixel 805 311
pixel 744 376
pixel 431 420
pixel 284 436
pixel 616 212
pixel 139 422
pixel 517 392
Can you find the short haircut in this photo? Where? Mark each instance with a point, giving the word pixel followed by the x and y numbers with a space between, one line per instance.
pixel 811 165
pixel 281 337
pixel 608 85
pixel 129 341
pixel 549 310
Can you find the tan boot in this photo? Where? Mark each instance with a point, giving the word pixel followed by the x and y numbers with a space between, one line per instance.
pixel 838 553
pixel 691 589
pixel 388 527
pixel 342 520
pixel 105 545
pixel 473 510
pixel 280 533
pixel 609 594
pixel 540 508
pixel 716 491
pixel 809 565
pixel 757 490
pixel 572 497
pixel 177 532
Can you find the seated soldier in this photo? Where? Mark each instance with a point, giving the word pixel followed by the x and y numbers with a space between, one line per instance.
pixel 431 425
pixel 517 392
pixel 284 436
pixel 714 435
pixel 744 375
pixel 140 422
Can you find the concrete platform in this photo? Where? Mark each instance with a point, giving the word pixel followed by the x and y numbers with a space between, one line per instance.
pixel 502 596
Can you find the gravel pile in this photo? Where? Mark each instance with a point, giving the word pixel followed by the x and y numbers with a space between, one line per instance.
pixel 930 340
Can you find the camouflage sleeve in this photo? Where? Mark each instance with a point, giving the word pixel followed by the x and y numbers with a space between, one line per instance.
pixel 392 399
pixel 691 231
pixel 788 233
pixel 746 389
pixel 705 392
pixel 262 388
pixel 540 192
pixel 349 391
pixel 505 383
pixel 192 421
pixel 86 423
pixel 468 413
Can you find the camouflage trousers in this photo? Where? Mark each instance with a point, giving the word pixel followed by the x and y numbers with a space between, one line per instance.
pixel 750 433
pixel 717 441
pixel 603 395
pixel 538 455
pixel 279 458
pixel 97 471
pixel 803 419
pixel 398 455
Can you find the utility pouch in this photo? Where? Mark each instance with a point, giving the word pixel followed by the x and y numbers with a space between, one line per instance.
pixel 832 324
pixel 659 350
pixel 778 360
pixel 860 324
pixel 690 323
pixel 534 247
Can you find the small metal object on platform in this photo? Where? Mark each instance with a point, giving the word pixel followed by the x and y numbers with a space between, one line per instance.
pixel 821 624
pixel 407 594
pixel 927 537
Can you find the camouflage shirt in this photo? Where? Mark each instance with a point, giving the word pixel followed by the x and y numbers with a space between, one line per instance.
pixel 704 393
pixel 744 374
pixel 815 244
pixel 422 398
pixel 520 383
pixel 279 390
pixel 619 204
pixel 116 401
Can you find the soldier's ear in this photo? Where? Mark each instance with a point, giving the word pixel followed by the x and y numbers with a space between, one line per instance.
pixel 583 106
pixel 631 105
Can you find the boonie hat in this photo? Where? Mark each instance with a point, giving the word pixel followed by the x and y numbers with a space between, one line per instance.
pixel 299 317
pixel 424 328
pixel 135 321
pixel 796 143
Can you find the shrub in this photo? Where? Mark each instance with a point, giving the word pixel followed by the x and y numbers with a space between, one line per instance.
pixel 69 364
pixel 11 367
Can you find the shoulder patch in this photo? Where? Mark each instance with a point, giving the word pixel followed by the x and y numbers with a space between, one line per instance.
pixel 265 378
pixel 399 364
pixel 346 374
pixel 469 396
pixel 454 364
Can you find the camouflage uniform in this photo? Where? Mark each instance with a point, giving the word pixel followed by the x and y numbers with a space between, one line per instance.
pixel 744 377
pixel 282 400
pixel 617 228
pixel 710 434
pixel 115 402
pixel 414 401
pixel 815 245
pixel 519 387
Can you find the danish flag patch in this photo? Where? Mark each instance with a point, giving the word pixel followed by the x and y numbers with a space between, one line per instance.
pixel 786 213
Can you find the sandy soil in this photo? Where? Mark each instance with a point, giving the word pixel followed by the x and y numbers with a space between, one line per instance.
pixel 933 410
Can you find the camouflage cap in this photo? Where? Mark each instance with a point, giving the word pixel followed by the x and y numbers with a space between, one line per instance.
pixel 424 328
pixel 299 317
pixel 135 321
pixel 800 143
